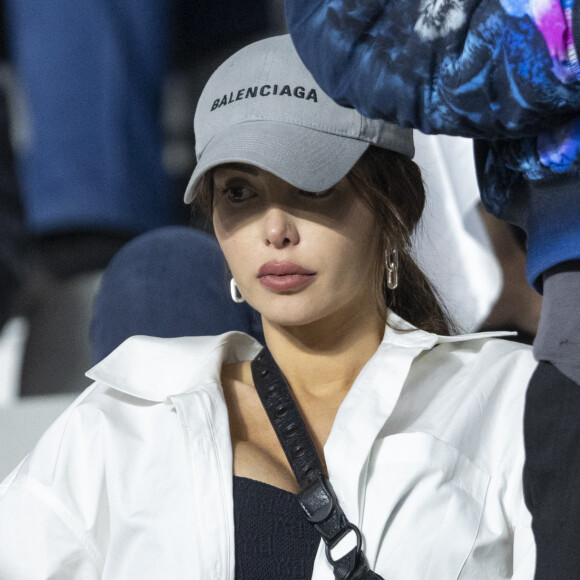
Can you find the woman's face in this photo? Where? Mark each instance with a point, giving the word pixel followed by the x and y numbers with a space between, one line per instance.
pixel 297 257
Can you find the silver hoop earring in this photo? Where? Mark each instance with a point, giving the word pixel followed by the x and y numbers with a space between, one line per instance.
pixel 392 260
pixel 235 292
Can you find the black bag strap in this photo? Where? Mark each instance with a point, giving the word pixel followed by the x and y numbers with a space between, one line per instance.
pixel 316 496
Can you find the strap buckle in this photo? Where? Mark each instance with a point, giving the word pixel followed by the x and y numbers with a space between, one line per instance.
pixel 322 509
pixel 356 549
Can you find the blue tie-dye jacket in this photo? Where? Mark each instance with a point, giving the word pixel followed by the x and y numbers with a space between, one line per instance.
pixel 504 72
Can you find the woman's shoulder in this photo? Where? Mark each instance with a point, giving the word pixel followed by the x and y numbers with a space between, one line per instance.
pixel 479 365
pixel 126 403
pixel 488 352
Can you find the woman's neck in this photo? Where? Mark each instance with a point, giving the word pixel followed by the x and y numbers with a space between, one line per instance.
pixel 321 360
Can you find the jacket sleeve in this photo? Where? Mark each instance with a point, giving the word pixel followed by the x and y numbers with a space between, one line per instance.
pixel 478 69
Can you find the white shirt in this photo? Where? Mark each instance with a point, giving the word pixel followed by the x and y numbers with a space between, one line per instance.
pixel 469 279
pixel 134 480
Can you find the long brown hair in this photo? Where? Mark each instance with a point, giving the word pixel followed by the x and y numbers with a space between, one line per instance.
pixel 392 187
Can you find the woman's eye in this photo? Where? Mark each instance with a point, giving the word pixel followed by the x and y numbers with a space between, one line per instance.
pixel 236 194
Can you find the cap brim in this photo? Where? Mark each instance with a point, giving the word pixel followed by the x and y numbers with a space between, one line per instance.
pixel 306 158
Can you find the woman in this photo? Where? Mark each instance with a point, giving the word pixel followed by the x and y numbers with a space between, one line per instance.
pixel 168 466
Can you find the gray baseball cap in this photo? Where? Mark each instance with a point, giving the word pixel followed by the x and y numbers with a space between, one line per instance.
pixel 262 107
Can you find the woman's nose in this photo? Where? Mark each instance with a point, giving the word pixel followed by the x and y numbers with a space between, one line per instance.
pixel 280 229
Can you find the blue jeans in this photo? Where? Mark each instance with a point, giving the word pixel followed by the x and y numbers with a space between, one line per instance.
pixel 168 282
pixel 91 72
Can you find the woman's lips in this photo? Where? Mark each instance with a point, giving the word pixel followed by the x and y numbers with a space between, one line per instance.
pixel 284 275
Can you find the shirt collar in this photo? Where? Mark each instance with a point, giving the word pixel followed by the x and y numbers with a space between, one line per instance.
pixel 153 368
pixel 403 333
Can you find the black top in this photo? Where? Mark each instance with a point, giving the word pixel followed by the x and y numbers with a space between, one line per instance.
pixel 273 539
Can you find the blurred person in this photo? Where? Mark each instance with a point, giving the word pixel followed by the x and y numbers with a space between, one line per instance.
pixel 91 77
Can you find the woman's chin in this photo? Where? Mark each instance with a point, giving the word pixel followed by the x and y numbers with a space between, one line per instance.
pixel 286 316
pixel 286 321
